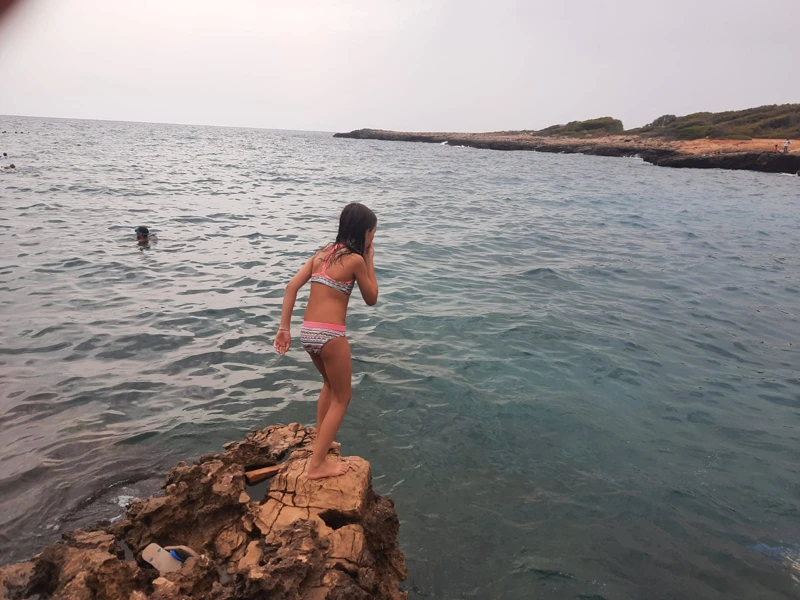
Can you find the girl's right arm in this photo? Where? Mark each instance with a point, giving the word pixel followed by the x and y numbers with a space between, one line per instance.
pixel 365 276
pixel 284 336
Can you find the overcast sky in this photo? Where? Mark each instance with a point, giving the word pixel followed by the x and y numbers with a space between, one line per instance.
pixel 449 65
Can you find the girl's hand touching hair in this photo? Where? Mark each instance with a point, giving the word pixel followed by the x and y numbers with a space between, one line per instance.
pixel 369 251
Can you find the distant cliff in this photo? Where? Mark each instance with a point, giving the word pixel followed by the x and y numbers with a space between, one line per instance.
pixel 753 155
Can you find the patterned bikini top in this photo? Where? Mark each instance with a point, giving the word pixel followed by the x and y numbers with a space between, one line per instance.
pixel 346 287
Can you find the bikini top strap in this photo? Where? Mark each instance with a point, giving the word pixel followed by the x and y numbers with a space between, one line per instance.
pixel 328 260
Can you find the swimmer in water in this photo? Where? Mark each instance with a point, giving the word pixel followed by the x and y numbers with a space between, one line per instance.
pixel 10 167
pixel 143 236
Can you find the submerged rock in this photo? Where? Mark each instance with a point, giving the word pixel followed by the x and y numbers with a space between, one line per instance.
pixel 317 539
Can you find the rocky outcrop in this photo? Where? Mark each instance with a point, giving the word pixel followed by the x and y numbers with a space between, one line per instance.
pixel 767 162
pixel 311 539
pixel 516 141
pixel 655 152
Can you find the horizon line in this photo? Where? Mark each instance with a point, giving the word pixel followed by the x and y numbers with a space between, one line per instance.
pixel 167 123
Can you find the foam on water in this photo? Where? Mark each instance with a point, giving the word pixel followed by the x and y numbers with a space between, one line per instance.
pixel 581 380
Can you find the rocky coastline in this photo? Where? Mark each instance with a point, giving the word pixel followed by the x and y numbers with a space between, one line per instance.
pixel 724 155
pixel 332 539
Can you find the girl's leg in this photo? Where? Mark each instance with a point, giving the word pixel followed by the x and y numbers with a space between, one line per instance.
pixel 324 402
pixel 336 362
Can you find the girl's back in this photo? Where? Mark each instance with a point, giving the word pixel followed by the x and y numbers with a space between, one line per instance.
pixel 332 281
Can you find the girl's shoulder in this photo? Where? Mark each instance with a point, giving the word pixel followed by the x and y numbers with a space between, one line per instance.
pixel 326 255
pixel 323 252
pixel 352 256
pixel 352 260
pixel 350 264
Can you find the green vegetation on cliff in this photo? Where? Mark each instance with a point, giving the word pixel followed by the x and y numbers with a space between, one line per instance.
pixel 772 121
pixel 592 127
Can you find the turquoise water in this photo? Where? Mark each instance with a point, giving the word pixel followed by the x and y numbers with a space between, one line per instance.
pixel 581 379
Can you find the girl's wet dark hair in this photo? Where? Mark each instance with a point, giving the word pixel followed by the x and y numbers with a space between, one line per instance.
pixel 354 223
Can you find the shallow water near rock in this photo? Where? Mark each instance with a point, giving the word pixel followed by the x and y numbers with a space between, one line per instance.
pixel 581 380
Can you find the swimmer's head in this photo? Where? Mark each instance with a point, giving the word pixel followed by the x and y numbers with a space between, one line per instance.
pixel 12 166
pixel 142 232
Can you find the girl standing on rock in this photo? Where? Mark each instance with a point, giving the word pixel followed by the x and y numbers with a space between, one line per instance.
pixel 333 271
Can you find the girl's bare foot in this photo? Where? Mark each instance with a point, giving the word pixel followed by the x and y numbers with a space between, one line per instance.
pixel 335 445
pixel 327 469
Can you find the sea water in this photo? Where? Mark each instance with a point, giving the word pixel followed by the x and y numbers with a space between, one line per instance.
pixel 581 379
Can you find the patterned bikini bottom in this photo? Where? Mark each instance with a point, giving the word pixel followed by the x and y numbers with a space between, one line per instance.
pixel 313 336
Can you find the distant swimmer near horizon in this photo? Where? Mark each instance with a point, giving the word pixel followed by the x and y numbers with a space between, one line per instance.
pixel 10 167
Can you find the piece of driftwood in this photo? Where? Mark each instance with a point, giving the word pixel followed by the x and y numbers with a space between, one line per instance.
pixel 258 475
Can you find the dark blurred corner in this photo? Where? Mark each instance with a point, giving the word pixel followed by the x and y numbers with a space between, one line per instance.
pixel 5 5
